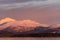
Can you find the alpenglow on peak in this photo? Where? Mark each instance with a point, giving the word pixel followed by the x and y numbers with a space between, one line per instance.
pixel 6 20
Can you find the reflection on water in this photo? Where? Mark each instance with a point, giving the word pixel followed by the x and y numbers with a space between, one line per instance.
pixel 29 38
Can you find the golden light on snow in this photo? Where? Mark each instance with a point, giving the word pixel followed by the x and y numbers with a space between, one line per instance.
pixel 23 25
pixel 6 20
pixel 27 23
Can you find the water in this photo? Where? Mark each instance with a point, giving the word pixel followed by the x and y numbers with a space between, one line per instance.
pixel 29 38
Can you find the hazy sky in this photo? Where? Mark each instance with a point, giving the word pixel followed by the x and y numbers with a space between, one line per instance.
pixel 44 11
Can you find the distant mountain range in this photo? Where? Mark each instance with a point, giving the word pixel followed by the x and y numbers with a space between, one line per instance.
pixel 9 27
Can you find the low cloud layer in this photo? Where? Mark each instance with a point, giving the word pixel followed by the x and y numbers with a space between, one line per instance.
pixel 25 4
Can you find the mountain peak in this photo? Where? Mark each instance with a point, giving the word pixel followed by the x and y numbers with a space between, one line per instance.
pixel 54 26
pixel 6 20
pixel 27 23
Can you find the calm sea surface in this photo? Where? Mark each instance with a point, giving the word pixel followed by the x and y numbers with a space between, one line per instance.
pixel 29 38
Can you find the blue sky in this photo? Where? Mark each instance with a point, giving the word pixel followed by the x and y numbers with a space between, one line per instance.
pixel 44 11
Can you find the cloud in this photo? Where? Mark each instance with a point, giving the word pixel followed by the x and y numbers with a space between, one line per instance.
pixel 25 4
pixel 49 14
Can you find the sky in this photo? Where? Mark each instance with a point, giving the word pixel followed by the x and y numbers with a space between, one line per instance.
pixel 43 11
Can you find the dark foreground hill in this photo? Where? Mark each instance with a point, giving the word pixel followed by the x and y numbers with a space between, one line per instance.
pixel 37 32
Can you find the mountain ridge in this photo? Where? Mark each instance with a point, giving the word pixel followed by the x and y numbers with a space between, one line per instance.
pixel 22 25
pixel 18 24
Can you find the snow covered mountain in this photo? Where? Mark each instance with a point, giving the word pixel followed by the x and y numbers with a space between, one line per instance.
pixel 54 26
pixel 6 20
pixel 24 25
pixel 12 25
pixel 19 25
pixel 4 23
pixel 9 25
